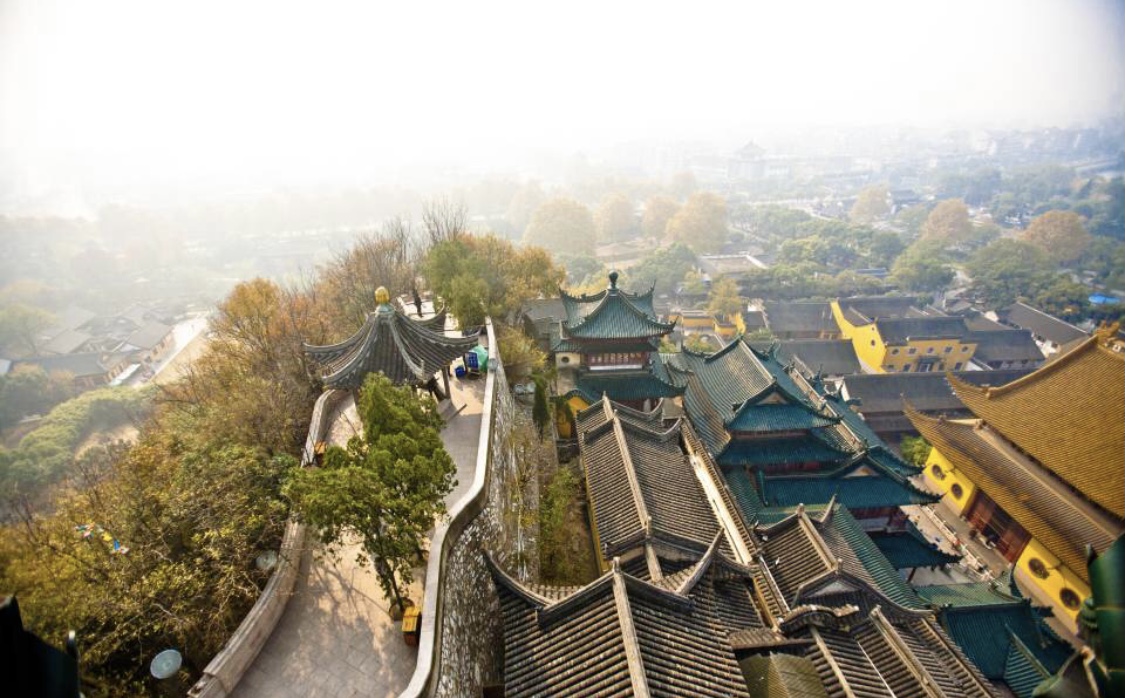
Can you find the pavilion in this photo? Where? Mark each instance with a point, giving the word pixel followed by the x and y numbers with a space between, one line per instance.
pixel 408 352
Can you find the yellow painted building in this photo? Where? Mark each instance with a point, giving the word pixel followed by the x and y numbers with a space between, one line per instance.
pixel 905 344
pixel 727 327
pixel 1042 474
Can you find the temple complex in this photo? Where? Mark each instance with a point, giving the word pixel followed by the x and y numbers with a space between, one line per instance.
pixel 697 600
pixel 1040 473
pixel 408 352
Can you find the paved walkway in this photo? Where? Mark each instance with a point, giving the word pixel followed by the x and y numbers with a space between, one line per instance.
pixel 995 562
pixel 336 637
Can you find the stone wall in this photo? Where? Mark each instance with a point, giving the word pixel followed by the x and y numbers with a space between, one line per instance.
pixel 462 639
pixel 224 672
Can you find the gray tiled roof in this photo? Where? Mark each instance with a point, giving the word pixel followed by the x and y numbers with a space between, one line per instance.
pixel 1004 345
pixel 641 483
pixel 867 308
pixel 903 330
pixel 1041 324
pixel 787 317
pixel 620 635
pixel 928 392
pixel 833 357
pixel 404 350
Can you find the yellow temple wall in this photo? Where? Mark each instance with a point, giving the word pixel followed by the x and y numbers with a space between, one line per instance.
pixel 1059 577
pixel 869 346
pixel 893 363
pixel 952 477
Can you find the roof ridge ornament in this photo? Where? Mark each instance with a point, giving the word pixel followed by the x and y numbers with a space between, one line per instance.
pixel 383 301
pixel 613 276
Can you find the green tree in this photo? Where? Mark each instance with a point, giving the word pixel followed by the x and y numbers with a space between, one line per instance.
pixel 525 202
pixel 1007 270
pixel 724 301
pixel 21 325
pixel 564 226
pixel 387 486
pixel 658 211
pixel 664 268
pixel 915 450
pixel 911 219
pixel 924 266
pixel 30 390
pixel 870 205
pixel 1060 234
pixel 699 343
pixel 579 268
pixel 479 275
pixel 693 283
pixel 701 224
pixel 522 356
pixel 683 185
pixel 615 219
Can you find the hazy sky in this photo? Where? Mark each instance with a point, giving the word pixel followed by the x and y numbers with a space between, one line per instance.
pixel 256 87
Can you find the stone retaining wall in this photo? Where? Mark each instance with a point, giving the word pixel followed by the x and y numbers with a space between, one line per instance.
pixel 462 640
pixel 224 672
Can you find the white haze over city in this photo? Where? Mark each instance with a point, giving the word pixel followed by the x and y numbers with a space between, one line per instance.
pixel 261 93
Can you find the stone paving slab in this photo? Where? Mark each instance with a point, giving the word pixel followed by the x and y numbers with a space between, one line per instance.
pixel 336 637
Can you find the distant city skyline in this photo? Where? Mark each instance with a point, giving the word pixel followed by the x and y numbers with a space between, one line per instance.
pixel 271 93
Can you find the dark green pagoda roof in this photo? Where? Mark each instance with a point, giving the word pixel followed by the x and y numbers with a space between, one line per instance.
pixel 624 385
pixel 779 452
pixel 612 314
pixel 1003 634
pixel 767 418
pixel 868 492
pixel 404 350
pixel 909 549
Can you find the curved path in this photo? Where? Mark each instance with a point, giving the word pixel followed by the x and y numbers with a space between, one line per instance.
pixel 336 636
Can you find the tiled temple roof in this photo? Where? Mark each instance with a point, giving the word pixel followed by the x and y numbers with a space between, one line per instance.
pixel 861 492
pixel 404 350
pixel 1004 636
pixel 641 483
pixel 740 389
pixel 1068 416
pixel 1049 510
pixel 611 314
pixel 870 655
pixel 1040 323
pixel 625 385
pixel 780 451
pixel 834 357
pixel 903 330
pixel 787 317
pixel 623 636
pixel 806 555
pixel 909 549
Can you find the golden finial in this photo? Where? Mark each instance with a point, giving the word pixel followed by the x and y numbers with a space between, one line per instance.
pixel 382 296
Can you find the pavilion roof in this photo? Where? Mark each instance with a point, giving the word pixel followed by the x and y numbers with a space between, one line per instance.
pixel 406 351
pixel 612 314
pixel 1068 416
